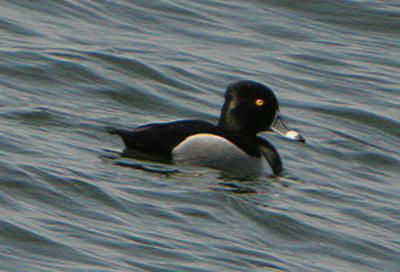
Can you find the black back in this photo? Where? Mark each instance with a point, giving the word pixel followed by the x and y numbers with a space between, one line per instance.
pixel 160 138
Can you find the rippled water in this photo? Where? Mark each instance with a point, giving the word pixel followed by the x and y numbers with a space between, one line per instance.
pixel 70 68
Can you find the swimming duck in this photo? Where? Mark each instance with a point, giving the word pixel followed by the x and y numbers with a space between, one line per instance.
pixel 231 146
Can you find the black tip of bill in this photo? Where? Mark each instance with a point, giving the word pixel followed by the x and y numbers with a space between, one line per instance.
pixel 280 127
pixel 295 136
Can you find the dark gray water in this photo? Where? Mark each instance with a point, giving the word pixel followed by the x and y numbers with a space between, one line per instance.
pixel 70 68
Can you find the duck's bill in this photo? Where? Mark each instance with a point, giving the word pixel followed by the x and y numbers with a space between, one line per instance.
pixel 281 128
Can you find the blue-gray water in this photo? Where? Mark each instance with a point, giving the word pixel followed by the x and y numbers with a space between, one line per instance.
pixel 68 69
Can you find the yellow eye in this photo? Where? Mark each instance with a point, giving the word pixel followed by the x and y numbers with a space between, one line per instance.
pixel 259 102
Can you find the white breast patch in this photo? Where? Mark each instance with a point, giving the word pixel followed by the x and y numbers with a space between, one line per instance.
pixel 208 150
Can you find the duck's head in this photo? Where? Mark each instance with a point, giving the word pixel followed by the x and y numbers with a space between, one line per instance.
pixel 250 108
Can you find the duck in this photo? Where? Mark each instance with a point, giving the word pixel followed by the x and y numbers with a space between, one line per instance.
pixel 231 146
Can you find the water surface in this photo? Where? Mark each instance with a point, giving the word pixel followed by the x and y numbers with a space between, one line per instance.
pixel 68 69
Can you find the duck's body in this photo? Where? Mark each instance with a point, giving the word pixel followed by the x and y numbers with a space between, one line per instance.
pixel 232 145
pixel 210 150
pixel 194 142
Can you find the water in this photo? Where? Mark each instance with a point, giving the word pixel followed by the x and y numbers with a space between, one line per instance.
pixel 70 68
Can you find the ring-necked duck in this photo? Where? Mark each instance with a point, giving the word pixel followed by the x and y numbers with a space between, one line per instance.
pixel 231 146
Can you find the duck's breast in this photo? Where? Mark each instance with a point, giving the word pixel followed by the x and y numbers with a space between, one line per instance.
pixel 208 150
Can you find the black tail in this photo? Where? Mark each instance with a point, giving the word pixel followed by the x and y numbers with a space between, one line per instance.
pixel 113 130
pixel 127 136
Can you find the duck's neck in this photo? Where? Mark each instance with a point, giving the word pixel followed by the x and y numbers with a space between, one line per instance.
pixel 231 120
pixel 234 127
pixel 228 124
pixel 227 120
